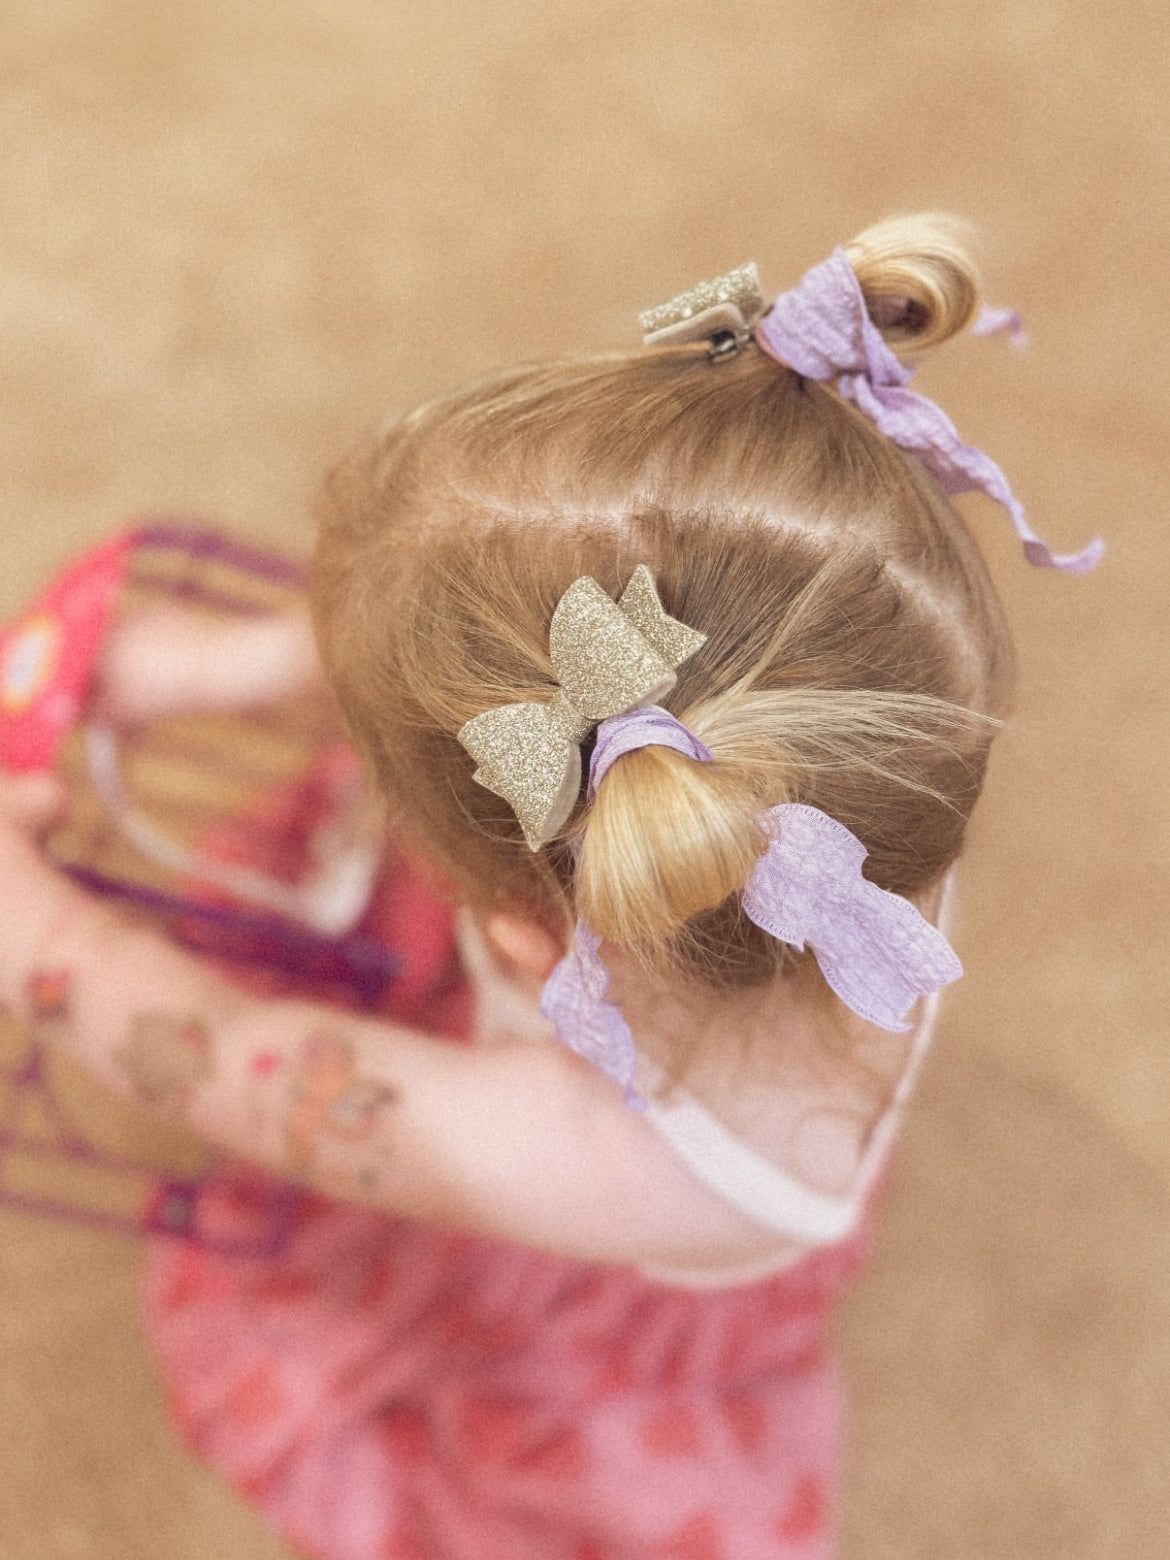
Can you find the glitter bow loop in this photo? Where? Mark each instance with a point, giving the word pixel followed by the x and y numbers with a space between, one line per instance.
pixel 722 311
pixel 608 657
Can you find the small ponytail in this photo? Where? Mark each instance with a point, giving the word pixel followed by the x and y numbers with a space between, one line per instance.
pixel 666 838
pixel 920 284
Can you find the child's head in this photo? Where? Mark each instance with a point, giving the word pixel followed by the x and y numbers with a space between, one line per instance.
pixel 855 648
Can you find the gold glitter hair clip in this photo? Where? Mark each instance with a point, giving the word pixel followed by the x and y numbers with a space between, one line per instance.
pixel 609 657
pixel 722 312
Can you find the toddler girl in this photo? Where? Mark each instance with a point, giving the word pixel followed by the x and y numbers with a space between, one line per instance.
pixel 647 652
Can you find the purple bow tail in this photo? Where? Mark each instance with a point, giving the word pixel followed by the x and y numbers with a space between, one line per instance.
pixel 922 428
pixel 575 1001
pixel 876 951
pixel 821 329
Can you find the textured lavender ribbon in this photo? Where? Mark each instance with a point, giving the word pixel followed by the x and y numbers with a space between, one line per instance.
pixel 875 950
pixel 821 329
pixel 647 725
pixel 576 1001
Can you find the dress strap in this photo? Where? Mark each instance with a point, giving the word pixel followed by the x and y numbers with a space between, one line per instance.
pixel 744 1177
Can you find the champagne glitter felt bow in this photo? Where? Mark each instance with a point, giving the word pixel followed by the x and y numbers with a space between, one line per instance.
pixel 609 657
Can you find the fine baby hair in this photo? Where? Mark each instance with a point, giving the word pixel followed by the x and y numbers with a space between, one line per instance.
pixel 856 657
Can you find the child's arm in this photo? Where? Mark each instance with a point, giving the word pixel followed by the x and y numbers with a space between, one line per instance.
pixel 521 1140
pixel 168 662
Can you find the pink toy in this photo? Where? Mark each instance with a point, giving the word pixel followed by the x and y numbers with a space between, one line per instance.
pixel 48 656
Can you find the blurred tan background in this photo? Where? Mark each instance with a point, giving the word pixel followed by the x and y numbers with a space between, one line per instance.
pixel 233 233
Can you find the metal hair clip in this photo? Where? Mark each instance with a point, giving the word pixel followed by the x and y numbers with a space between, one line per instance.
pixel 722 311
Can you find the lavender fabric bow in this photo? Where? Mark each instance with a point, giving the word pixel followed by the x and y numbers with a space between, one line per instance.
pixel 821 329
pixel 875 950
pixel 576 1001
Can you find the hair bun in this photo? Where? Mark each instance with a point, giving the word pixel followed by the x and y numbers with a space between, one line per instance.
pixel 666 838
pixel 919 281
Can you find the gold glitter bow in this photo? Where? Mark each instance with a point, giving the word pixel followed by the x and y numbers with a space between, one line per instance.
pixel 609 656
pixel 725 309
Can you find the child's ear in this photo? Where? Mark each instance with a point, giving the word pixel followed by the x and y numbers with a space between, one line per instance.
pixel 525 943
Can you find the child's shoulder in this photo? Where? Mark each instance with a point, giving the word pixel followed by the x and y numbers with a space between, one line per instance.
pixel 783 1110
pixel 805 1085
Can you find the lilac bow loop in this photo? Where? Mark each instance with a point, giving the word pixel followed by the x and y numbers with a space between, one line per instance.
pixel 875 950
pixel 822 330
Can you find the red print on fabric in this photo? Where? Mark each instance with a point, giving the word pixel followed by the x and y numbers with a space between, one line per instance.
pixel 747 1422
pixel 741 1345
pixel 673 1431
pixel 376 1283
pixel 495 1430
pixel 698 1539
pixel 615 1360
pixel 256 1399
pixel 807 1511
pixel 406 1436
pixel 501 1432
pixel 191 1281
pixel 490 1336
pixel 284 1287
pixel 401 1546
pixel 559 1457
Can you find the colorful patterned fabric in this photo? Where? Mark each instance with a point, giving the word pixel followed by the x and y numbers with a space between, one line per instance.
pixel 382 1390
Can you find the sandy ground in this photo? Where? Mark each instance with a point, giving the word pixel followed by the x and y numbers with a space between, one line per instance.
pixel 234 233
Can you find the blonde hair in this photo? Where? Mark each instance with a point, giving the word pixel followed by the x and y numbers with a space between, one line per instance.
pixel 857 657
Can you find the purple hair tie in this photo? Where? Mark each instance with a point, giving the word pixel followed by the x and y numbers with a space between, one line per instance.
pixel 822 330
pixel 648 725
pixel 875 950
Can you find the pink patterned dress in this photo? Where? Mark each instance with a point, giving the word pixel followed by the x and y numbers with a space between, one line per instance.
pixel 382 1390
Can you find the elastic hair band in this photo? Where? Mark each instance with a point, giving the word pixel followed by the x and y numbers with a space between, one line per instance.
pixel 647 726
pixel 877 952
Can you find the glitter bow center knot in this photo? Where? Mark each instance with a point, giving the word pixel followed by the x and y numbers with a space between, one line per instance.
pixel 609 657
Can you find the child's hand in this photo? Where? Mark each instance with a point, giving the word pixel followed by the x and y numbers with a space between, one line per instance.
pixel 29 804
pixel 32 893
pixel 172 662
